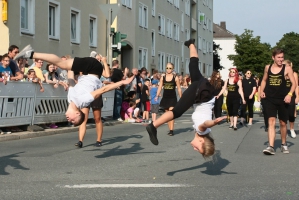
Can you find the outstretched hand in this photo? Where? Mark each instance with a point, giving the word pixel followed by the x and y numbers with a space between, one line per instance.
pixel 219 119
pixel 128 80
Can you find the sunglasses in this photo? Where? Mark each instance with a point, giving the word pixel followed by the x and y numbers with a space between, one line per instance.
pixel 248 73
pixel 168 68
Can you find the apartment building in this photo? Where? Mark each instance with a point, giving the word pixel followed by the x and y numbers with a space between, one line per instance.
pixel 72 27
pixel 156 31
pixel 227 41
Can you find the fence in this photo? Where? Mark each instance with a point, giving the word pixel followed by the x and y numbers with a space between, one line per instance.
pixel 21 103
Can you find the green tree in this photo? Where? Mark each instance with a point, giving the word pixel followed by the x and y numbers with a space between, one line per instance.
pixel 290 44
pixel 216 58
pixel 251 53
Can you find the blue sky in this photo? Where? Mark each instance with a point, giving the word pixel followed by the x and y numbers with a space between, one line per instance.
pixel 269 19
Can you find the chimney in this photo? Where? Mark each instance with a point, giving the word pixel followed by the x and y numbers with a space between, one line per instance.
pixel 223 25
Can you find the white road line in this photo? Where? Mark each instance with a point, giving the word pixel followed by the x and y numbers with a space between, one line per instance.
pixel 126 186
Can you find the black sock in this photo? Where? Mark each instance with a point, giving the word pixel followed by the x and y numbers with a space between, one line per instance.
pixel 271 147
pixel 284 144
pixel 31 56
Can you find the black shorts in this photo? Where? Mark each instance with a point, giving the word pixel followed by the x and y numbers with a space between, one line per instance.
pixel 87 65
pixel 97 103
pixel 274 107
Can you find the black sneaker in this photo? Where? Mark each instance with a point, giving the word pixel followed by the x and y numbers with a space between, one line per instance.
pixel 235 128
pixel 188 42
pixel 98 144
pixel 152 132
pixel 170 133
pixel 79 144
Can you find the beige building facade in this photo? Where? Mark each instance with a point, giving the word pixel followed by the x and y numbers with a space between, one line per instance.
pixel 62 27
pixel 156 31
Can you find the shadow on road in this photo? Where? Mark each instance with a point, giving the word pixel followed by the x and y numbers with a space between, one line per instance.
pixel 119 151
pixel 10 161
pixel 277 144
pixel 183 130
pixel 213 168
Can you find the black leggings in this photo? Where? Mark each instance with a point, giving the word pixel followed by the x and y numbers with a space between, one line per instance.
pixel 249 103
pixel 233 105
pixel 188 97
pixel 218 106
pixel 264 113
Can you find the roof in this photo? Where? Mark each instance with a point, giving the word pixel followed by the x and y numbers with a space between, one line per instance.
pixel 220 31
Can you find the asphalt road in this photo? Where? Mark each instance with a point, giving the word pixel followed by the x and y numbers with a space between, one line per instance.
pixel 128 166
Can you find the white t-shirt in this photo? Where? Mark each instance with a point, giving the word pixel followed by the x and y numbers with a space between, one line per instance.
pixel 202 112
pixel 80 94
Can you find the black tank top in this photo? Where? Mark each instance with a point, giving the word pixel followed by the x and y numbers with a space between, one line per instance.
pixel 169 88
pixel 232 90
pixel 276 84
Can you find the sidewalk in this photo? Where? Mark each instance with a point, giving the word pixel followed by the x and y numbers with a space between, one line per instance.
pixel 46 132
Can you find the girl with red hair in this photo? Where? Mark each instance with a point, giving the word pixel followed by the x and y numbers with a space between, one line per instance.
pixel 234 93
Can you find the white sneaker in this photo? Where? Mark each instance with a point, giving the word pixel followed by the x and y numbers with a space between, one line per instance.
pixel 1 132
pixel 293 133
pixel 120 119
pixel 25 52
pixel 284 149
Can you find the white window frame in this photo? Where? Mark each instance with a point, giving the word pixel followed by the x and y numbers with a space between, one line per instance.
pixel 182 21
pixel 127 3
pixel 199 43
pixel 143 15
pixel 143 62
pixel 176 62
pixel 187 7
pixel 161 61
pixel 170 28
pixel 30 18
pixel 204 46
pixel 187 61
pixel 183 54
pixel 153 8
pixel 153 40
pixel 94 43
pixel 161 24
pixel 176 4
pixel 56 25
pixel 167 27
pixel 78 25
pixel 199 66
pixel 187 34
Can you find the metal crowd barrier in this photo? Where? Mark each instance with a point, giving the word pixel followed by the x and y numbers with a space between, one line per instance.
pixel 21 103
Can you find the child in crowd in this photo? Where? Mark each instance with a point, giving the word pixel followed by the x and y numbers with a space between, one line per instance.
pixel 31 76
pixel 131 96
pixel 145 100
pixel 5 69
pixel 154 101
pixel 129 113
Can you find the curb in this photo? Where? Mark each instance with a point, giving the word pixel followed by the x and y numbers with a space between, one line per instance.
pixel 47 132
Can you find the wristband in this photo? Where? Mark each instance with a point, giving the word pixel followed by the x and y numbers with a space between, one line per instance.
pixel 290 94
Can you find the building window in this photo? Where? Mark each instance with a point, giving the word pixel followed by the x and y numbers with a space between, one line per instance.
pixel 75 25
pixel 176 63
pixel 93 31
pixel 54 19
pixel 27 16
pixel 161 61
pixel 142 58
pixel 187 65
pixel 170 28
pixel 182 21
pixel 199 66
pixel 153 42
pixel 161 27
pixel 153 7
pixel 187 34
pixel 176 3
pixel 199 45
pixel 183 48
pixel 204 45
pixel 127 3
pixel 143 15
pixel 187 7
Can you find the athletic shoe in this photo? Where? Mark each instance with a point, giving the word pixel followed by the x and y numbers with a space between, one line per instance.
pixel 293 133
pixel 284 149
pixel 170 133
pixel 269 151
pixel 188 42
pixel 235 128
pixel 152 132
pixel 98 144
pixel 249 124
pixel 231 127
pixel 25 52
pixel 120 119
pixel 79 144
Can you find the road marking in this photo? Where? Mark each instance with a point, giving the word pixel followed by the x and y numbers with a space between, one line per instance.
pixel 126 186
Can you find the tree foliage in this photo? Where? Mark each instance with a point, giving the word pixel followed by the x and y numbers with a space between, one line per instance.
pixel 251 53
pixel 290 44
pixel 216 58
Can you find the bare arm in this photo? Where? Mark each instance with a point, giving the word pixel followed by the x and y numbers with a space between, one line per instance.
pixel 263 82
pixel 297 88
pixel 290 74
pixel 209 123
pixel 241 91
pixel 106 70
pixel 159 88
pixel 18 76
pixel 222 90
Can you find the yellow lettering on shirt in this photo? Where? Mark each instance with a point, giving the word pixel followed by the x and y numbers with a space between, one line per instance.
pixel 231 88
pixel 168 86
pixel 275 80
